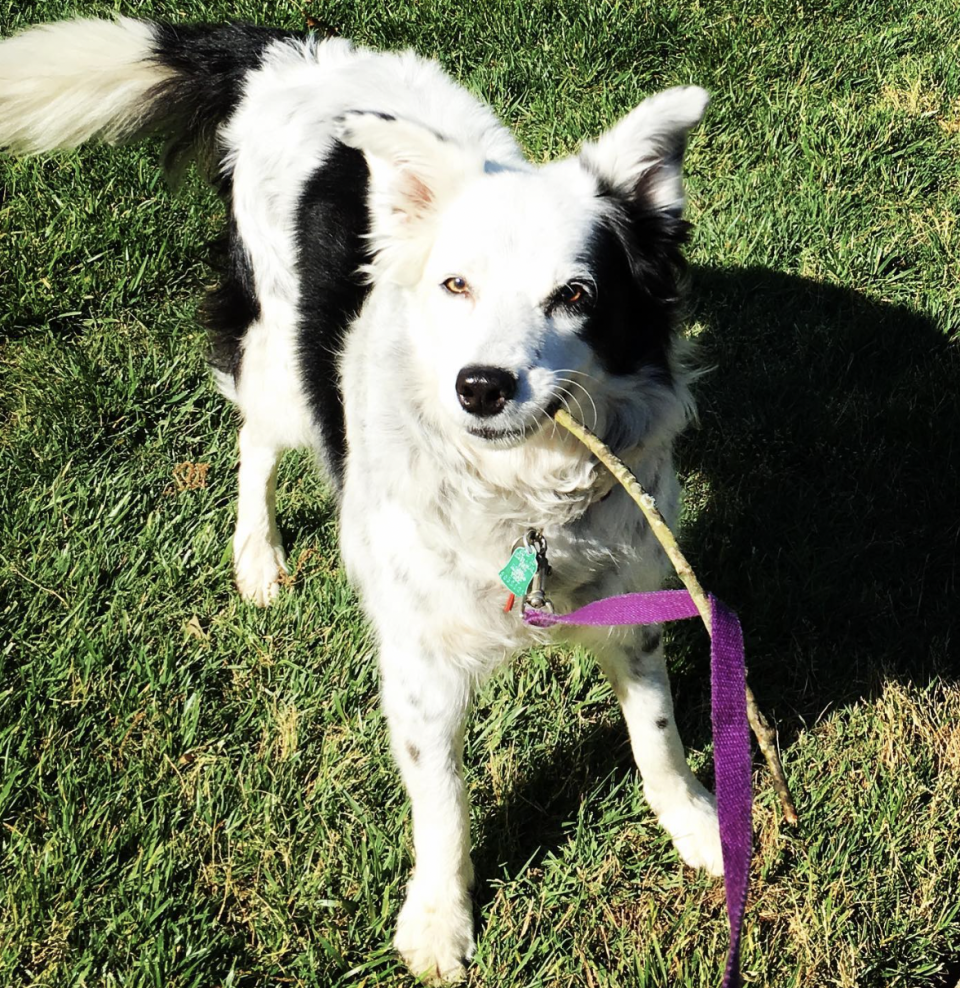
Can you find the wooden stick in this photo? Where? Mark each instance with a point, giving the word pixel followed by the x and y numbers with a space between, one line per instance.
pixel 766 736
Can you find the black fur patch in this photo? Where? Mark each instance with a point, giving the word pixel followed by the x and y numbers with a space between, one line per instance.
pixel 635 257
pixel 232 306
pixel 662 723
pixel 331 227
pixel 211 63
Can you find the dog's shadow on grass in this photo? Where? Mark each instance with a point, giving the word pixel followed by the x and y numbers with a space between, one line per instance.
pixel 827 472
pixel 824 490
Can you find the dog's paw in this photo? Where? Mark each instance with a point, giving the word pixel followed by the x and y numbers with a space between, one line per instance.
pixel 258 567
pixel 435 937
pixel 695 831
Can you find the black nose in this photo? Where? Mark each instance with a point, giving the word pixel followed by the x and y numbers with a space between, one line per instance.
pixel 485 390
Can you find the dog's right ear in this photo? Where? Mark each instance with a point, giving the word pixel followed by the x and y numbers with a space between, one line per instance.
pixel 414 174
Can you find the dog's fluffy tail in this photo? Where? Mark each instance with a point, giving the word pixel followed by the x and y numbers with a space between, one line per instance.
pixel 118 80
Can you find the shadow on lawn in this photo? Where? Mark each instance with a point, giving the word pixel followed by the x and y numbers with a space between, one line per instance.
pixel 829 455
pixel 825 488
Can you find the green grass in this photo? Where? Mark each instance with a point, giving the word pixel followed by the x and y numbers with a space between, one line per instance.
pixel 197 793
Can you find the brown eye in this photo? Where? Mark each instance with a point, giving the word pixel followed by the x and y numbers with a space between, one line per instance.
pixel 456 285
pixel 571 293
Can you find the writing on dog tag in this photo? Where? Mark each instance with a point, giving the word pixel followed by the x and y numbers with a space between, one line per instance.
pixel 520 570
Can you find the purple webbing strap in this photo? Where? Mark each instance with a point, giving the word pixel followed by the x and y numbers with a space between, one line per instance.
pixel 731 733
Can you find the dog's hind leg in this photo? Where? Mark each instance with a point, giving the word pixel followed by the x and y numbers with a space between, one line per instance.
pixel 258 558
pixel 685 809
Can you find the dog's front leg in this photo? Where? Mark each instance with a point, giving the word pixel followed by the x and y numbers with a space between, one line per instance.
pixel 638 673
pixel 426 700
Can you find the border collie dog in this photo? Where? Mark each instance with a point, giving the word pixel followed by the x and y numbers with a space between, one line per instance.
pixel 409 297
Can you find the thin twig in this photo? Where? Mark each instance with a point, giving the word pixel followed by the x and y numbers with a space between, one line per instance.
pixel 766 736
pixel 23 576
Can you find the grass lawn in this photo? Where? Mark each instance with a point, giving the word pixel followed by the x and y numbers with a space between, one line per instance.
pixel 197 793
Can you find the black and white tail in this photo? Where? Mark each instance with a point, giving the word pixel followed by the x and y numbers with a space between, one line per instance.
pixel 119 80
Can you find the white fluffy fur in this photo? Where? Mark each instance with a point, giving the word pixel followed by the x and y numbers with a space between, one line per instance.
pixel 429 508
pixel 66 83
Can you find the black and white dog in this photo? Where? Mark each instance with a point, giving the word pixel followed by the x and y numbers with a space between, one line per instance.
pixel 409 297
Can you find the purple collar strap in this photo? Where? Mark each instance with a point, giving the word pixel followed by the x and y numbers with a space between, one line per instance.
pixel 731 733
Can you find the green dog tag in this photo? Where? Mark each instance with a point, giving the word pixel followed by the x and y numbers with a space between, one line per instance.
pixel 520 570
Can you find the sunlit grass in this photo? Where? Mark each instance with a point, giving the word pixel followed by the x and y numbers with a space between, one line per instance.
pixel 197 793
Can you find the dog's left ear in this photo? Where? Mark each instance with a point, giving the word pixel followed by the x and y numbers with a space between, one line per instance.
pixel 641 157
pixel 414 174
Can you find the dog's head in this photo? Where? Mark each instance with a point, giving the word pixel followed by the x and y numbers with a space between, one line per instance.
pixel 532 287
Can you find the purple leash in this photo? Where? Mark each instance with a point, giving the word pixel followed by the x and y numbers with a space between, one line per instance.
pixel 731 733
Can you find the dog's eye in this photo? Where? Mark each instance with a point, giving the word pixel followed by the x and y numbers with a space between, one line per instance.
pixel 456 285
pixel 571 293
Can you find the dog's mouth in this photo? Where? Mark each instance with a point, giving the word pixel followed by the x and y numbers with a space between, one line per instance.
pixel 515 436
